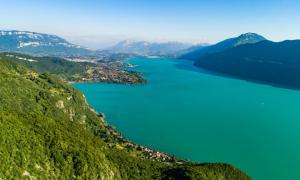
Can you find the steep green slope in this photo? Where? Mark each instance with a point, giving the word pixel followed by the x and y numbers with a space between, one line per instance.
pixel 49 132
pixel 68 70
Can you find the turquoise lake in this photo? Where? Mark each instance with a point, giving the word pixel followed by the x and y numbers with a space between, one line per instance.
pixel 202 117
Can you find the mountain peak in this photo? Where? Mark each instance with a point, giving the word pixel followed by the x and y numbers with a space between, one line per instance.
pixel 248 38
pixel 251 35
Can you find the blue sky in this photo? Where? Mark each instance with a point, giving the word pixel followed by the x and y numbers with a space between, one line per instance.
pixel 96 23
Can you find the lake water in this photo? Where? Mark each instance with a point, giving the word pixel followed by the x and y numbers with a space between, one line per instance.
pixel 206 118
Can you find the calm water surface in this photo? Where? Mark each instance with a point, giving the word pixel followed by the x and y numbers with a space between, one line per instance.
pixel 206 118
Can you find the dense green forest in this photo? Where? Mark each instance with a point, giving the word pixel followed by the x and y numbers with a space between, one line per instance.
pixel 48 131
pixel 67 70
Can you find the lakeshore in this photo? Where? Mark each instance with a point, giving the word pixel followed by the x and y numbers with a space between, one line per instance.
pixel 114 72
pixel 121 142
pixel 193 115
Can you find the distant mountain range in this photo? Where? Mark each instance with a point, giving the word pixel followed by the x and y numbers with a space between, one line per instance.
pixel 38 44
pixel 276 63
pixel 145 48
pixel 248 38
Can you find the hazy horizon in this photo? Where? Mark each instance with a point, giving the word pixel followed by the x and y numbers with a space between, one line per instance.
pixel 100 24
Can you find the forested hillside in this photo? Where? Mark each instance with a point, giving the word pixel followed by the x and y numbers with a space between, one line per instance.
pixel 48 131
pixel 72 71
